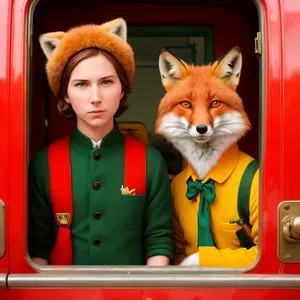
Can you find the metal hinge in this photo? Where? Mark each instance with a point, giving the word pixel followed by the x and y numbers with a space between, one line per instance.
pixel 258 43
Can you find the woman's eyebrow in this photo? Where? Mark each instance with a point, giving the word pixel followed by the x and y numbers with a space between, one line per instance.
pixel 108 76
pixel 85 80
pixel 81 80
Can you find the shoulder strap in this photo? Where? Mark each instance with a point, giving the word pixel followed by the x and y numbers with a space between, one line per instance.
pixel 61 189
pixel 60 177
pixel 135 165
pixel 244 191
pixel 61 199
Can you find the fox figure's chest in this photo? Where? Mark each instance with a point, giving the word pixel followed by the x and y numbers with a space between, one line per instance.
pixel 223 211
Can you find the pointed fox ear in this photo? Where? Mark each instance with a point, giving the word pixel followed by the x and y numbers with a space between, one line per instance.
pixel 171 69
pixel 117 27
pixel 229 67
pixel 49 41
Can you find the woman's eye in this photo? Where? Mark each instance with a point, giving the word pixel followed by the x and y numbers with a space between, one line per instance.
pixel 107 82
pixel 186 104
pixel 80 84
pixel 215 104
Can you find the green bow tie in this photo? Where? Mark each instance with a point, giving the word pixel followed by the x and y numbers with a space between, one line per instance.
pixel 207 197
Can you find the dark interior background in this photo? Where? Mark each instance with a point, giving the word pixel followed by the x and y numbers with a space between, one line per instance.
pixel 235 22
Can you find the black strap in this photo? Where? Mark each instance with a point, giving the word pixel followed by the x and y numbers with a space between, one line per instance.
pixel 244 191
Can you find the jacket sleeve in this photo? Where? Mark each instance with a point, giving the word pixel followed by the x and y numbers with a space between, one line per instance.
pixel 178 235
pixel 158 227
pixel 40 218
pixel 238 258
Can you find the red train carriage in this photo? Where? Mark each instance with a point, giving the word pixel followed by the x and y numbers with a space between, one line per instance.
pixel 267 32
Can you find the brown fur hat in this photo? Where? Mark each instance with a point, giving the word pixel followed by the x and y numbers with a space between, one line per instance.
pixel 60 46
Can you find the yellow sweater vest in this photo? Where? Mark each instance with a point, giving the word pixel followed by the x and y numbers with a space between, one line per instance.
pixel 227 176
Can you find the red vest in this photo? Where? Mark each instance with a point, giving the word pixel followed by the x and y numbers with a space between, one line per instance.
pixel 61 189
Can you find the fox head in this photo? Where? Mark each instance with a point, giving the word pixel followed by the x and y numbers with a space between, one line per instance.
pixel 201 108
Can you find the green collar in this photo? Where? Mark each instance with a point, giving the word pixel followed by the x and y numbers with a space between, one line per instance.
pixel 109 141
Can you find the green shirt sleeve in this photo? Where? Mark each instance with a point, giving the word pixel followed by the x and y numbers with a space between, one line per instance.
pixel 158 224
pixel 40 217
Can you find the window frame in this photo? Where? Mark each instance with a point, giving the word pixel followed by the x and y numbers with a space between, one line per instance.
pixel 154 274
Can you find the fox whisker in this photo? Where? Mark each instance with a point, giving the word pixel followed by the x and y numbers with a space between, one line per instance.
pixel 227 131
pixel 175 125
pixel 178 132
pixel 226 123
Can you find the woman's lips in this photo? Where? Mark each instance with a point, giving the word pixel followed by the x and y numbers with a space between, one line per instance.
pixel 96 112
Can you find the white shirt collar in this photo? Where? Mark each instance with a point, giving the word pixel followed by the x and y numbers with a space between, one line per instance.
pixel 96 144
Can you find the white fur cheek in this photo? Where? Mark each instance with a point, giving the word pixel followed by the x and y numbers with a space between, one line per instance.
pixel 231 123
pixel 193 132
pixel 173 126
pixel 217 121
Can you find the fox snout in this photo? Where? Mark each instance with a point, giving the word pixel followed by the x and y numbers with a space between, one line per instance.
pixel 202 128
pixel 200 133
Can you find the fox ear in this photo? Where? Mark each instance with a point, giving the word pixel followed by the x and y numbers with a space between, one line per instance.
pixel 171 69
pixel 229 67
pixel 49 42
pixel 117 27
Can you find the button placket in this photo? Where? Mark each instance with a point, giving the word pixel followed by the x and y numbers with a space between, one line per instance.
pixel 96 185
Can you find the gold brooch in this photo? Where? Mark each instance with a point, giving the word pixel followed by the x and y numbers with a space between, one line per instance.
pixel 126 191
pixel 63 218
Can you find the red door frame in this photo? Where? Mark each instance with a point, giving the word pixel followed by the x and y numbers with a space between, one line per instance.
pixel 5 55
pixel 279 166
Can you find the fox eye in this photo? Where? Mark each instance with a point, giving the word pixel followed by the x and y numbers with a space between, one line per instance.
pixel 186 104
pixel 215 104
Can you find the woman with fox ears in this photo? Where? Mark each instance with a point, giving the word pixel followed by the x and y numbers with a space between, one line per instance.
pixel 97 197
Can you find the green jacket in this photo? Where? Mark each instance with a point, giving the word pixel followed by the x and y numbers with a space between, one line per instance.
pixel 108 228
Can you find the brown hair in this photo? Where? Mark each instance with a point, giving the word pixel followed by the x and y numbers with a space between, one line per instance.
pixel 65 109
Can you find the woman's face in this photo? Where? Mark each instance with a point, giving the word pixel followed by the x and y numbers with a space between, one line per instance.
pixel 94 91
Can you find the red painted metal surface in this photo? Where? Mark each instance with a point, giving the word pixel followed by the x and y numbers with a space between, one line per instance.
pixel 280 164
pixel 154 294
pixel 4 116
pixel 271 161
pixel 17 140
pixel 290 107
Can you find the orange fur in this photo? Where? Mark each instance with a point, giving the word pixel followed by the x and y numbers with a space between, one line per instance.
pixel 82 37
pixel 200 86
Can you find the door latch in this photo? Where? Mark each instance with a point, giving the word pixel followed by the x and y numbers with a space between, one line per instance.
pixel 289 231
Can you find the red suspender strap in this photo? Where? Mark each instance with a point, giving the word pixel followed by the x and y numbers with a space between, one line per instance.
pixel 135 165
pixel 62 200
pixel 61 189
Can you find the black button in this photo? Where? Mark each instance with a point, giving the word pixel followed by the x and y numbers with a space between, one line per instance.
pixel 97 216
pixel 96 242
pixel 96 185
pixel 97 156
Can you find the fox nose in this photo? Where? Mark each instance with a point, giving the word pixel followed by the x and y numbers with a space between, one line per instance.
pixel 201 128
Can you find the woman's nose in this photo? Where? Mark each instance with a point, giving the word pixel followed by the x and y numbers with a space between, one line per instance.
pixel 96 94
